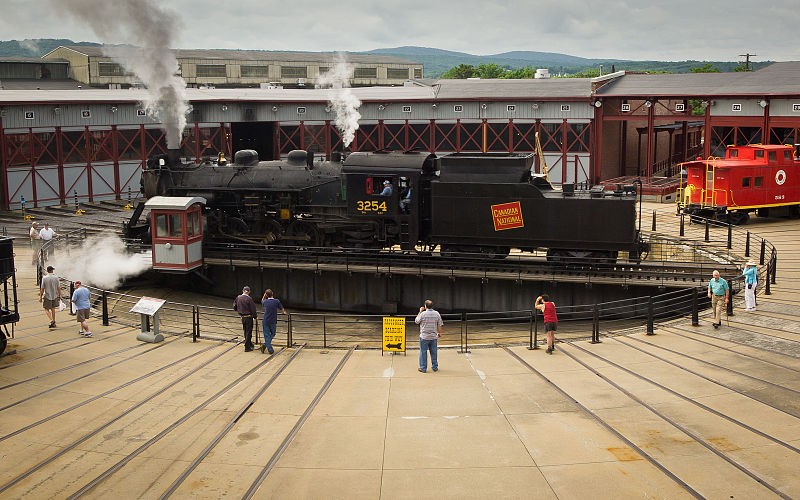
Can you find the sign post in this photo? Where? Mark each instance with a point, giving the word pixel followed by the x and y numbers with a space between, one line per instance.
pixel 146 307
pixel 394 335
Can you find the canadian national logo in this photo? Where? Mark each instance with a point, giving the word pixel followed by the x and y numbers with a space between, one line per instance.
pixel 507 216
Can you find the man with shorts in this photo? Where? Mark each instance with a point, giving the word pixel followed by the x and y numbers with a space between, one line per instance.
pixel 550 320
pixel 80 297
pixel 50 295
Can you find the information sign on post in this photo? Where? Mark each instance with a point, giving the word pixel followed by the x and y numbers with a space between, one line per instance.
pixel 394 335
pixel 146 307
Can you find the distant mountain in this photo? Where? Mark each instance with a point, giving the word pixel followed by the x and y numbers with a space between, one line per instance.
pixel 437 61
pixel 35 47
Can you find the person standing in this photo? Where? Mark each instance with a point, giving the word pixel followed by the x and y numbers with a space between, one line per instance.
pixel 46 235
pixel 80 297
pixel 719 293
pixel 548 309
pixel 36 242
pixel 430 329
pixel 246 307
pixel 272 307
pixel 750 274
pixel 50 295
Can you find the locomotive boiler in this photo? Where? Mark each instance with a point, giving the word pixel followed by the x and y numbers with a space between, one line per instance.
pixel 484 203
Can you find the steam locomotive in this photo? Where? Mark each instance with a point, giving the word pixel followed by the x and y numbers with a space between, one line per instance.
pixel 483 203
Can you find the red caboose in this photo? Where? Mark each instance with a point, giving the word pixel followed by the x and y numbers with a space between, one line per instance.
pixel 761 178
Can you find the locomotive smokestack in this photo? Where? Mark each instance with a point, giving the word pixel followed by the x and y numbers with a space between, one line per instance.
pixel 173 157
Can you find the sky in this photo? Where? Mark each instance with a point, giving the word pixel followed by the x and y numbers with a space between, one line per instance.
pixel 676 30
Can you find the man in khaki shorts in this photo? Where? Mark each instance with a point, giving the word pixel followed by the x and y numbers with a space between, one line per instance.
pixel 80 297
pixel 50 295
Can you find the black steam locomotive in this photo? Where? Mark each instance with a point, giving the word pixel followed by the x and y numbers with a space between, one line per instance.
pixel 485 203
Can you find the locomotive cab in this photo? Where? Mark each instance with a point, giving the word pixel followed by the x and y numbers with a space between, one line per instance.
pixel 386 188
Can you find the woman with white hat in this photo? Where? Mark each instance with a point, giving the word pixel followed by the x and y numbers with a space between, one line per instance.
pixel 750 273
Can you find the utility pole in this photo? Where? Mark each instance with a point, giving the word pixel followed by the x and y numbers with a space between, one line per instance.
pixel 747 60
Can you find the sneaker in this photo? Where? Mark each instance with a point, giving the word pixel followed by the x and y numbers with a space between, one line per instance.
pixel 436 369
pixel 87 334
pixel 549 350
pixel 52 324
pixel 271 351
pixel 248 349
pixel 420 370
pixel 80 332
pixel 264 348
pixel 716 325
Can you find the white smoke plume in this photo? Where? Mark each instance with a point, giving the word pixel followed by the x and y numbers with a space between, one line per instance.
pixel 31 46
pixel 341 99
pixel 149 31
pixel 101 261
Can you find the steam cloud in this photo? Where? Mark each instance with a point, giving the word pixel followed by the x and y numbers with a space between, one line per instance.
pixel 341 99
pixel 30 46
pixel 102 261
pixel 149 29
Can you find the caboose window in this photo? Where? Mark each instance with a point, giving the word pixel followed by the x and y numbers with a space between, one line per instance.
pixel 175 225
pixel 759 181
pixel 787 155
pixel 161 225
pixel 734 153
pixel 746 182
pixel 773 156
pixel 759 153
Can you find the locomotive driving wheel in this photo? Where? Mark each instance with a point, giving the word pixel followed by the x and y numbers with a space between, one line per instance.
pixel 304 233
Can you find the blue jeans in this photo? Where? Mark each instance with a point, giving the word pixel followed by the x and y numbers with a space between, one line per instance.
pixel 424 347
pixel 269 334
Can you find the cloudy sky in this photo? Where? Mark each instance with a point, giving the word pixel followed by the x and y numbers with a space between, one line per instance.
pixel 673 30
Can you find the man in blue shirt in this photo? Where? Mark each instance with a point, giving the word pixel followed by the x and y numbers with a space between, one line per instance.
pixel 272 307
pixel 80 297
pixel 387 189
pixel 719 293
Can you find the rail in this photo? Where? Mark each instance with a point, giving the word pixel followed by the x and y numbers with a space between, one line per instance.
pixel 712 242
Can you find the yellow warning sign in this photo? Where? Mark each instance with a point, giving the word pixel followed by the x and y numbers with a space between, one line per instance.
pixel 394 334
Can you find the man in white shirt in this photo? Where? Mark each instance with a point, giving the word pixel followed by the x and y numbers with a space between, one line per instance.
pixel 46 234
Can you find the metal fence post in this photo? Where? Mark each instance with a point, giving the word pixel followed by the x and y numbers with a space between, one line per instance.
pixel 707 239
pixel 195 323
pixel 464 328
pixel 595 324
pixel 774 261
pixel 730 236
pixel 682 233
pixel 763 251
pixel 531 338
pixel 695 307
pixel 650 329
pixel 105 308
pixel 325 333
pixel 747 245
pixel 729 306
pixel 654 220
pixel 289 330
pixel 767 291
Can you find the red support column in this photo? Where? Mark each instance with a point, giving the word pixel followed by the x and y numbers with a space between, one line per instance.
pixel 4 165
pixel 405 135
pixel 707 132
pixel 765 135
pixel 143 146
pixel 510 147
pixel 302 134
pixel 115 156
pixel 87 139
pixel 596 148
pixel 380 134
pixel 327 132
pixel 564 147
pixel 484 132
pixel 62 195
pixel 32 164
pixel 276 141
pixel 197 149
pixel 650 133
pixel 432 132
pixel 458 135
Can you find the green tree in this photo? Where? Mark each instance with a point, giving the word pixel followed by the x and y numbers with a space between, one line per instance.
pixel 461 71
pixel 707 68
pixel 490 71
pixel 520 73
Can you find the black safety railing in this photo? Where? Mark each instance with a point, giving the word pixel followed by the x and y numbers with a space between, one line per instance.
pixel 467 330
